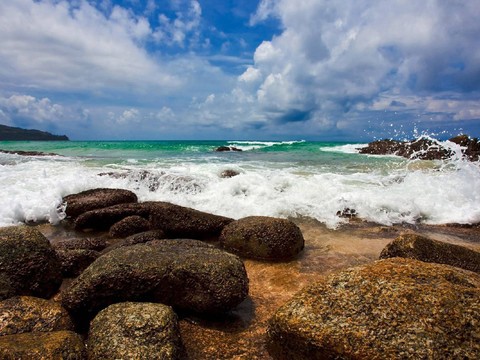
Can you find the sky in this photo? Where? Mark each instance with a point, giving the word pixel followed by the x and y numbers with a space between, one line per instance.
pixel 241 69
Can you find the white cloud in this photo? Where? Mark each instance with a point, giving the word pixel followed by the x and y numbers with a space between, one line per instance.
pixel 29 108
pixel 73 46
pixel 129 116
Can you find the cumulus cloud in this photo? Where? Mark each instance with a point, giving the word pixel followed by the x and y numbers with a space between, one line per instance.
pixel 343 59
pixel 74 46
pixel 30 109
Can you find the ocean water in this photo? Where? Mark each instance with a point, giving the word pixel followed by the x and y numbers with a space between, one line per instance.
pixel 284 179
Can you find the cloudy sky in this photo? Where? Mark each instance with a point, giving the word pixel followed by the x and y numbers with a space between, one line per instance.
pixel 240 69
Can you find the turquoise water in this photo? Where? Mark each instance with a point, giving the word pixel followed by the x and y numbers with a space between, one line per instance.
pixel 286 179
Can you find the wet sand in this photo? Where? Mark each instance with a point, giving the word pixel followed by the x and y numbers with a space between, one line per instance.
pixel 241 333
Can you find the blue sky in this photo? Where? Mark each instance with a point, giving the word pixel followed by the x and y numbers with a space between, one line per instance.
pixel 268 69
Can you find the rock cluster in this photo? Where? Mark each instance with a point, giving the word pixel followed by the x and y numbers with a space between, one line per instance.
pixel 424 149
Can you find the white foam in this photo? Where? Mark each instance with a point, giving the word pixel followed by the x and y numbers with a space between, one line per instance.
pixel 346 148
pixel 403 191
pixel 253 145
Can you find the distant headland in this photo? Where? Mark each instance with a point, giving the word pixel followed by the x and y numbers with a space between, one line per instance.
pixel 8 133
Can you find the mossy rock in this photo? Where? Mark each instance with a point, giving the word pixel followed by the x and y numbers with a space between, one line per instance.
pixel 186 274
pixel 28 263
pixel 421 248
pixel 135 331
pixel 23 314
pixel 262 237
pixel 391 309
pixel 129 226
pixel 74 262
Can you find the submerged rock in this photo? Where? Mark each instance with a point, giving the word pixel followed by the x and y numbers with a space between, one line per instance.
pixel 28 263
pixel 421 248
pixel 229 173
pixel 262 237
pixel 22 314
pixel 186 274
pixel 135 331
pixel 75 261
pixel 227 148
pixel 391 309
pixel 129 226
pixel 84 201
pixel 57 345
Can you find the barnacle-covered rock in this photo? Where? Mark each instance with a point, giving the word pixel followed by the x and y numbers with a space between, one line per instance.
pixel 135 331
pixel 391 309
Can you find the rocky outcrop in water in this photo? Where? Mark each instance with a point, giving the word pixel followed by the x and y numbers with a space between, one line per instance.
pixel 421 248
pixel 41 346
pixel 88 200
pixel 186 274
pixel 21 314
pixel 391 309
pixel 28 263
pixel 135 331
pixel 423 149
pixel 261 237
pixel 227 148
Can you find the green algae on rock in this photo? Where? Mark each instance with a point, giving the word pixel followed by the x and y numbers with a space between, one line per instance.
pixel 28 263
pixel 393 308
pixel 21 314
pixel 421 248
pixel 135 331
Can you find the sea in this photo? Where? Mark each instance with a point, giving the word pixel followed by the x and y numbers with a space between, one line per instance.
pixel 288 179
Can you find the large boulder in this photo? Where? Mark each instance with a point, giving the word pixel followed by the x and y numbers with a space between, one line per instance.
pixel 186 274
pixel 96 199
pixel 129 226
pixel 176 221
pixel 391 309
pixel 22 314
pixel 75 261
pixel 135 331
pixel 139 238
pixel 28 263
pixel 262 237
pixel 421 248
pixel 57 345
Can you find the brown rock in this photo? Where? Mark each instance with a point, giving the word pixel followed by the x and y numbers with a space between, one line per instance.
pixel 96 199
pixel 227 148
pixel 58 345
pixel 135 331
pixel 186 274
pixel 140 238
pixel 75 261
pixel 96 244
pixel 229 173
pixel 391 309
pixel 129 226
pixel 22 314
pixel 421 248
pixel 28 263
pixel 262 237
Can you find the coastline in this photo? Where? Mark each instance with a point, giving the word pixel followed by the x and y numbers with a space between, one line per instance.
pixel 240 334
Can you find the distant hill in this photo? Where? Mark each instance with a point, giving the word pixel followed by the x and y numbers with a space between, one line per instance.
pixel 8 133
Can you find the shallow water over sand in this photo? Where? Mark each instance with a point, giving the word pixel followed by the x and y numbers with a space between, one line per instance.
pixel 241 333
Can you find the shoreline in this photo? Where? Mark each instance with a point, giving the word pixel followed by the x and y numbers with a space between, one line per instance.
pixel 240 334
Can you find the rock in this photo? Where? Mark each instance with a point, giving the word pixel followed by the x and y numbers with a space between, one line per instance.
pixel 470 147
pixel 181 222
pixel 227 148
pixel 96 244
pixel 28 263
pixel 57 345
pixel 262 237
pixel 176 221
pixel 22 314
pixel 421 248
pixel 140 238
pixel 129 226
pixel 186 274
pixel 75 261
pixel 96 199
pixel 423 149
pixel 229 173
pixel 391 309
pixel 381 147
pixel 135 331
